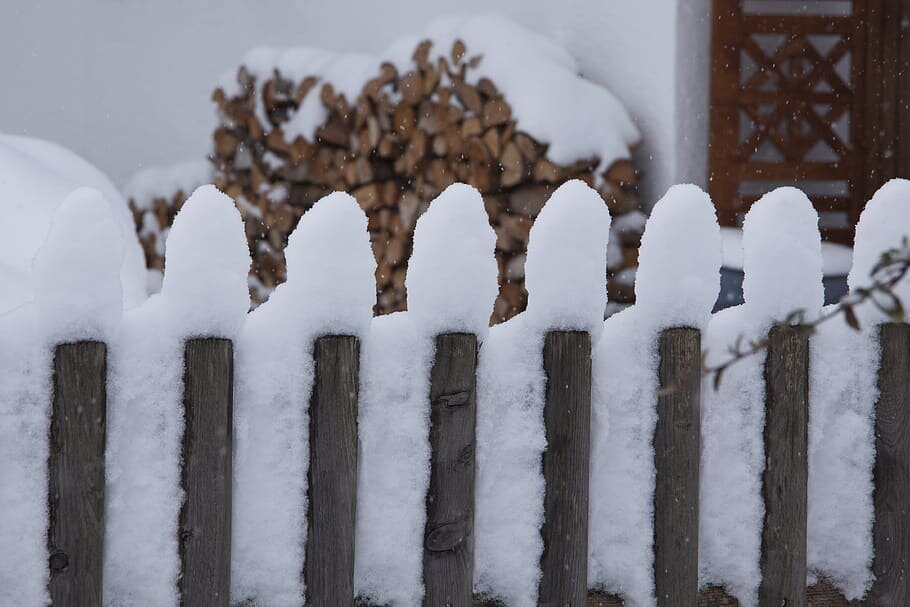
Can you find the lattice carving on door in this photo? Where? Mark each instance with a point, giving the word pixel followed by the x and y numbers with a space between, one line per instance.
pixel 787 90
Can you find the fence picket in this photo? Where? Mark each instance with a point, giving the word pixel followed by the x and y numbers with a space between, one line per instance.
pixel 332 476
pixel 566 462
pixel 786 475
pixel 76 474
pixel 891 532
pixel 448 555
pixel 205 518
pixel 677 451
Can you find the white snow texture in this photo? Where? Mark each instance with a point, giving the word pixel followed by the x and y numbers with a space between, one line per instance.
pixel 77 290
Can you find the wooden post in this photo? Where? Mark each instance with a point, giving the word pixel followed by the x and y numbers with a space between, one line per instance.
pixel 205 518
pixel 332 476
pixel 567 417
pixel 677 450
pixel 448 555
pixel 784 486
pixel 891 531
pixel 75 537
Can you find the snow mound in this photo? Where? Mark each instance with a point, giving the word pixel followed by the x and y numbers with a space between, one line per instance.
pixel 452 275
pixel 844 390
pixel 578 118
pixel 783 273
pixel 35 177
pixel 882 226
pixel 330 290
pixel 204 294
pixel 207 263
pixel 77 270
pixel 679 277
pixel 566 265
pixel 677 281
pixel 565 277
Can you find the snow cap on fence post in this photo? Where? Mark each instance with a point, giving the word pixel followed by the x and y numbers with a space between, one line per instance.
pixel 452 276
pixel 77 270
pixel 206 264
pixel 565 272
pixel 883 224
pixel 782 260
pixel 331 268
pixel 679 260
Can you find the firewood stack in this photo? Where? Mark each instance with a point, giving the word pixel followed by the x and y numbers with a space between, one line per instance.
pixel 394 148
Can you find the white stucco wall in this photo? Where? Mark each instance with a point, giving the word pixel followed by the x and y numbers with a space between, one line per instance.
pixel 126 83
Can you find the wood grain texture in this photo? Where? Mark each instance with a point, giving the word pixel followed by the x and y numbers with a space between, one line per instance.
pixel 567 417
pixel 677 450
pixel 75 539
pixel 891 529
pixel 786 475
pixel 332 477
pixel 448 555
pixel 205 518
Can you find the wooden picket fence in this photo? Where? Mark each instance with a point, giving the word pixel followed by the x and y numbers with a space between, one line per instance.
pixel 76 477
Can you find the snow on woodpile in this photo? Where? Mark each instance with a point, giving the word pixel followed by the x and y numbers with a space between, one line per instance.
pixel 566 268
pixel 204 294
pixel 478 100
pixel 453 285
pixel 843 394
pixel 35 177
pixel 155 195
pixel 782 264
pixel 678 281
pixel 329 291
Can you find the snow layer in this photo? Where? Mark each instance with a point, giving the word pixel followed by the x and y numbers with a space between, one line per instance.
pixel 783 269
pixel 330 290
pixel 204 294
pixel 452 284
pixel 565 277
pixel 578 118
pixel 566 268
pixel 452 276
pixel 77 296
pixel 394 470
pixel 843 394
pixel 35 177
pixel 77 270
pixel 25 377
pixel 678 281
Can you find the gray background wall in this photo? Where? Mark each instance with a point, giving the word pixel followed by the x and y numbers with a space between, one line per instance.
pixel 126 83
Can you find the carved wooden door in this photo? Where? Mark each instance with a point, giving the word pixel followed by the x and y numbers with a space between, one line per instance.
pixel 806 93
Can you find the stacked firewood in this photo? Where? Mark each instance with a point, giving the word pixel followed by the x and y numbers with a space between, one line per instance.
pixel 405 138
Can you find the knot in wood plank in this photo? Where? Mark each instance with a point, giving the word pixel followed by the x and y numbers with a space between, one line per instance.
pixel 446 537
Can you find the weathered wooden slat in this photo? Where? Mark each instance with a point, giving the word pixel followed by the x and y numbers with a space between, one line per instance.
pixel 891 530
pixel 567 417
pixel 677 450
pixel 332 477
pixel 784 482
pixel 205 518
pixel 75 538
pixel 448 555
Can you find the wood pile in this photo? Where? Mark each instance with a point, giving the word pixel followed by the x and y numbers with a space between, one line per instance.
pixel 395 147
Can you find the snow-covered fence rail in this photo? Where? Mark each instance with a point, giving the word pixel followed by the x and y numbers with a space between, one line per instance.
pixel 307 453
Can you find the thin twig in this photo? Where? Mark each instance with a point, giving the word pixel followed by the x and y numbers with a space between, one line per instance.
pixel 890 269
